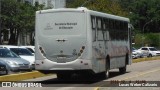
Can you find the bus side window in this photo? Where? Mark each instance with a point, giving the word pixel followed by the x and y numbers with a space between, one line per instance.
pixel 107 28
pixel 93 23
pixel 111 29
pixel 104 25
pixel 99 29
pixel 126 29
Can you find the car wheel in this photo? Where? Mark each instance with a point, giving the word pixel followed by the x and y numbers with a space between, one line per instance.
pixel 7 71
pixel 150 55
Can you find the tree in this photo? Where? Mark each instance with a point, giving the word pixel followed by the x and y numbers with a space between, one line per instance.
pixel 26 19
pixel 9 17
pixel 150 39
pixel 18 18
pixel 106 6
pixel 144 11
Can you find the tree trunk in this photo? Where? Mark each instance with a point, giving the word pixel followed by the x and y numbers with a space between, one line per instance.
pixel 12 38
pixel 16 37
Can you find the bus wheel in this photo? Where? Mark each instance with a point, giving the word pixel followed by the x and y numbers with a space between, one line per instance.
pixel 63 76
pixel 107 73
pixel 104 74
pixel 107 66
pixel 122 70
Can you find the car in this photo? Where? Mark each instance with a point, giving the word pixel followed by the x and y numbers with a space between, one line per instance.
pixel 3 69
pixel 23 53
pixel 149 51
pixel 11 65
pixel 136 53
pixel 13 61
pixel 30 48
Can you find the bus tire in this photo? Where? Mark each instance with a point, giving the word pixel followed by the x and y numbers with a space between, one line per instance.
pixel 107 73
pixel 122 70
pixel 63 76
pixel 107 67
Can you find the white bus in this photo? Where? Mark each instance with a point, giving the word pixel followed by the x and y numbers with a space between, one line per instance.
pixel 80 40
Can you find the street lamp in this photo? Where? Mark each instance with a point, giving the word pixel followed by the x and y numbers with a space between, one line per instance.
pixel 143 31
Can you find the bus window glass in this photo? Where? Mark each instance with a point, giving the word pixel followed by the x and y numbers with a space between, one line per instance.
pixel 103 24
pixel 99 23
pixel 93 21
pixel 99 29
pixel 100 35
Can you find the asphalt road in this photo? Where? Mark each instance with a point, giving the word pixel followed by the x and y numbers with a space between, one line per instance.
pixel 139 72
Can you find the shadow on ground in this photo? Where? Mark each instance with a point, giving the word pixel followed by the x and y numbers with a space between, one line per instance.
pixel 81 80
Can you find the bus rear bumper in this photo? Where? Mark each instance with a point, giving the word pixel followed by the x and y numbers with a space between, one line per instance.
pixel 50 66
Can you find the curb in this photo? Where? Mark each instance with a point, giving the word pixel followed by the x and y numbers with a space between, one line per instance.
pixel 22 76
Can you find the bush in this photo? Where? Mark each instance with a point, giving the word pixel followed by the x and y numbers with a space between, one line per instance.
pixel 149 39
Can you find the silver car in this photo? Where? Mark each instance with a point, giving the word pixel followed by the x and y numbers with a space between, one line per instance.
pixel 3 69
pixel 22 52
pixel 11 65
pixel 13 61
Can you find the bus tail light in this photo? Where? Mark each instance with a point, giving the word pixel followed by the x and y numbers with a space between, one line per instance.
pixel 81 50
pixel 42 51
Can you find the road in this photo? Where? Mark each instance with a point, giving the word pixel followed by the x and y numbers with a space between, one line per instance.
pixel 142 71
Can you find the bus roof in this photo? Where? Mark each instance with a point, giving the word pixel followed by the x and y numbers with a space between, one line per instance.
pixel 83 9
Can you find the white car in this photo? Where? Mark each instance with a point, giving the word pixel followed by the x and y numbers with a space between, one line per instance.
pixel 30 48
pixel 149 51
pixel 22 52
pixel 136 53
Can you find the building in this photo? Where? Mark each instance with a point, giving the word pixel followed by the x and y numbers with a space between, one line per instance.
pixel 47 3
pixel 51 3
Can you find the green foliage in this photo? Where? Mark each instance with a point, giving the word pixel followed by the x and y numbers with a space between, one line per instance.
pixel 153 39
pixel 9 17
pixel 106 6
pixel 18 18
pixel 150 39
pixel 142 12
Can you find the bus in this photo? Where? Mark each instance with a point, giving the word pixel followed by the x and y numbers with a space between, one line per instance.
pixel 81 41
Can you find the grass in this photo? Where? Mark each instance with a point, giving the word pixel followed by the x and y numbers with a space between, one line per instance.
pixel 146 59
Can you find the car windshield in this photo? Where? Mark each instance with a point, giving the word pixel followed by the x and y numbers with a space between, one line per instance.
pixel 21 51
pixel 5 53
pixel 30 50
pixel 153 49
